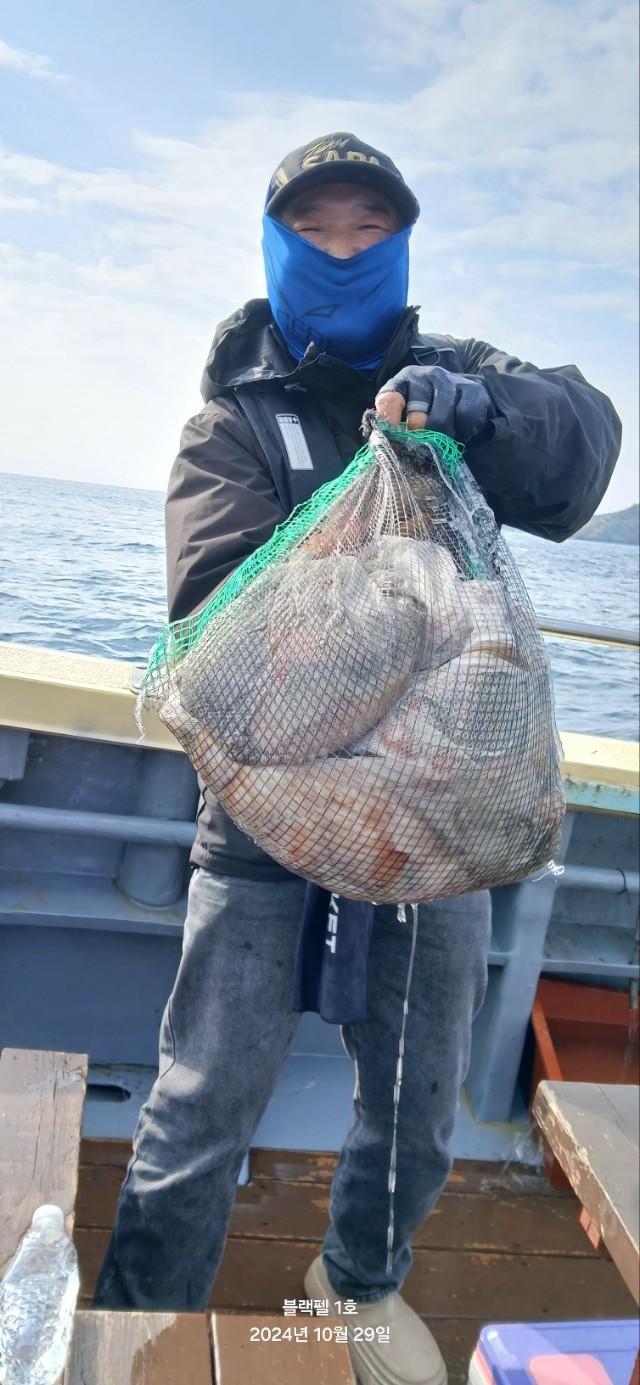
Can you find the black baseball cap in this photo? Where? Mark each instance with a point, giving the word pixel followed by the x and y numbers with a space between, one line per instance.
pixel 340 158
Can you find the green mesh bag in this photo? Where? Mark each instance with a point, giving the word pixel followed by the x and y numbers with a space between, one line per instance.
pixel 367 694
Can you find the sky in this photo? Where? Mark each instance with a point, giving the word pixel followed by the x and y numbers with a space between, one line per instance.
pixel 137 141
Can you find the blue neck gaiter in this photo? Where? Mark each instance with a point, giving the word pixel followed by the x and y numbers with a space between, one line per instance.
pixel 348 308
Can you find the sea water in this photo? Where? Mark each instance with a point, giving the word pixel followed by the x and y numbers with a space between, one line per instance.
pixel 82 568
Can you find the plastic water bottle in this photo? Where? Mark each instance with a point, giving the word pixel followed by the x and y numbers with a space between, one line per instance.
pixel 37 1301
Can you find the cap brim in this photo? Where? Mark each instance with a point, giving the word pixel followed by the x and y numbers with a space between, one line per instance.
pixel 352 172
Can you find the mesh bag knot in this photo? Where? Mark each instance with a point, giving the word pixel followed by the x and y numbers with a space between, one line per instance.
pixel 368 694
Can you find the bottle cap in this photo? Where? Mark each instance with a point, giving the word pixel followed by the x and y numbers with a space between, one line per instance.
pixel 49 1215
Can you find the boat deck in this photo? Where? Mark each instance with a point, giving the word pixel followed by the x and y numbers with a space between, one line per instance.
pixel 501 1245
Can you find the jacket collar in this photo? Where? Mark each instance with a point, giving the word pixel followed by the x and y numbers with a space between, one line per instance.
pixel 247 349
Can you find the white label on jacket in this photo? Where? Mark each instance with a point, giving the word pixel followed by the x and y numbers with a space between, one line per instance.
pixel 332 923
pixel 295 442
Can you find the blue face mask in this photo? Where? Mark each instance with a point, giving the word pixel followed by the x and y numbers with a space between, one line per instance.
pixel 348 308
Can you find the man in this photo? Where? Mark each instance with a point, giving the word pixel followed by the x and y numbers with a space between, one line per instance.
pixel 285 386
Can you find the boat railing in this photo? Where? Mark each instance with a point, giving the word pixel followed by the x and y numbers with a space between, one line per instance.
pixel 588 633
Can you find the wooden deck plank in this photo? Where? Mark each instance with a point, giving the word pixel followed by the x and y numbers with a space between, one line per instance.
pixel 129 1348
pixel 239 1359
pixel 294 1211
pixel 103 1152
pixel 467 1175
pixel 592 1129
pixel 260 1274
pixel 479 1221
pixel 41 1101
pixel 293 1165
pixel 440 1284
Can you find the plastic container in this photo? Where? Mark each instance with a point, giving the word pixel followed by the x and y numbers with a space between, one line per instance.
pixel 37 1301
pixel 556 1353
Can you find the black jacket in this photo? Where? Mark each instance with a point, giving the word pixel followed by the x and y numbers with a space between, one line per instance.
pixel 544 467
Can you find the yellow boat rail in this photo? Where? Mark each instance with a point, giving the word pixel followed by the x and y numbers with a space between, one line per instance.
pixel 588 634
pixel 67 694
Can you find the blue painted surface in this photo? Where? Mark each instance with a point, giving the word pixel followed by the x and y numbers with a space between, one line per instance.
pixel 602 798
pixel 311 1108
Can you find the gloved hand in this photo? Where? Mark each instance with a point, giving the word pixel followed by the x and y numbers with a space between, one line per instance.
pixel 436 398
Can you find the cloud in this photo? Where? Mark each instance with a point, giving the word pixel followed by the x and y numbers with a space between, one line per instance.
pixel 514 124
pixel 21 168
pixel 9 203
pixel 540 96
pixel 34 65
pixel 509 61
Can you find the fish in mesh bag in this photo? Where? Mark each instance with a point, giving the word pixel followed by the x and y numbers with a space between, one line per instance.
pixel 368 695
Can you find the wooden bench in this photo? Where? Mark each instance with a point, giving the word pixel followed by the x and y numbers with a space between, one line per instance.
pixel 593 1131
pixel 171 1348
pixel 41 1103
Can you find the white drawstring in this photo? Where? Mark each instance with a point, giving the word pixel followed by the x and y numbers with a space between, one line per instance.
pixel 551 868
pixel 402 918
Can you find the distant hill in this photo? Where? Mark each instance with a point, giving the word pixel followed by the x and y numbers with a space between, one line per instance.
pixel 623 526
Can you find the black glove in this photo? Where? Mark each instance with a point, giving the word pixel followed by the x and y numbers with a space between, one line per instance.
pixel 455 404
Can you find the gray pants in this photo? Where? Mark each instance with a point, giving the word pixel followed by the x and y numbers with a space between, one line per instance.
pixel 225 1034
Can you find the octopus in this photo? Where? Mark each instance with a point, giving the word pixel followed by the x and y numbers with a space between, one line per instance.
pixel 359 832
pixel 377 723
pixel 492 629
pixel 316 650
pixel 426 572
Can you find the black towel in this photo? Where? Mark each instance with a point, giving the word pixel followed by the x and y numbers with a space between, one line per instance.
pixel 331 962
